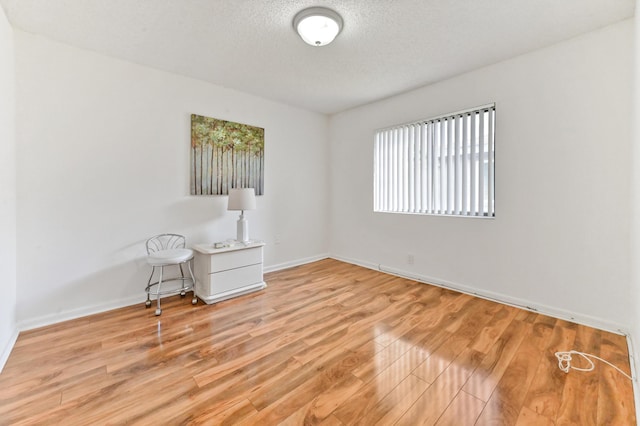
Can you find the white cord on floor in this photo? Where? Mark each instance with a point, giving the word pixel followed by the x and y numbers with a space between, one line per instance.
pixel 564 362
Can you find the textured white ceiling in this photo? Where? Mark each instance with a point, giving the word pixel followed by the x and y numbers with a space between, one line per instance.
pixel 386 46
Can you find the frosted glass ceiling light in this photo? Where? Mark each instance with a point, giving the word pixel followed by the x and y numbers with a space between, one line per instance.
pixel 317 26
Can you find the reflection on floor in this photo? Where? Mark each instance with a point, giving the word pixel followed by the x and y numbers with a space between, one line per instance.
pixel 325 343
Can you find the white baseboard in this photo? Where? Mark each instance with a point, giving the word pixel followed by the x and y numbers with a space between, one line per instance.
pixel 45 320
pixel 363 263
pixel 520 303
pixel 297 262
pixel 49 319
pixel 555 312
pixel 6 351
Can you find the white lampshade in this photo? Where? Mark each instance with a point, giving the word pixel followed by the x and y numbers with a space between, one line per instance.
pixel 317 26
pixel 242 199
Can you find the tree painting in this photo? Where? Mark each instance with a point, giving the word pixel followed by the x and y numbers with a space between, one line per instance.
pixel 225 155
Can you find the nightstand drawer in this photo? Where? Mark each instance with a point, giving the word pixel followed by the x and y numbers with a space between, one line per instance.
pixel 228 272
pixel 234 278
pixel 236 259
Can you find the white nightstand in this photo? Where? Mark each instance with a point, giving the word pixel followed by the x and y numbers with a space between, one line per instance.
pixel 223 273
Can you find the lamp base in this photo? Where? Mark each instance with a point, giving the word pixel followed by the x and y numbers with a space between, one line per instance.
pixel 243 229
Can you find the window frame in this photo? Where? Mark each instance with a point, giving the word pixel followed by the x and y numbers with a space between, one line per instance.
pixel 424 167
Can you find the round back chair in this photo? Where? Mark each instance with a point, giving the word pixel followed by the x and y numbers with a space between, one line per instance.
pixel 169 250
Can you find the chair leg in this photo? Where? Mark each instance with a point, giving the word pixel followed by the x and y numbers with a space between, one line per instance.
pixel 183 290
pixel 158 310
pixel 194 301
pixel 147 304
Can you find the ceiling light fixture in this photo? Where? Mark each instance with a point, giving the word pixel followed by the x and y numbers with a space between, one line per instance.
pixel 317 26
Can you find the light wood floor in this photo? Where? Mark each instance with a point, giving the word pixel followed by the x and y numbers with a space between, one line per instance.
pixel 326 343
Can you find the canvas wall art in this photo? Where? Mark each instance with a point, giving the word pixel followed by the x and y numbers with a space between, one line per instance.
pixel 225 155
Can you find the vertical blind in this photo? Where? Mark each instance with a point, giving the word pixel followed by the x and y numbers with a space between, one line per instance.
pixel 442 166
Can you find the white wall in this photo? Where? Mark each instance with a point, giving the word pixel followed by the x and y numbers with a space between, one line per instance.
pixel 635 212
pixel 103 164
pixel 560 239
pixel 7 191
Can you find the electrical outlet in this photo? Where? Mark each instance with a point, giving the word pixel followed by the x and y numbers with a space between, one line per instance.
pixel 410 259
pixel 276 239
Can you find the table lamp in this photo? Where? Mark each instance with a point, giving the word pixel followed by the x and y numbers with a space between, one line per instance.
pixel 242 199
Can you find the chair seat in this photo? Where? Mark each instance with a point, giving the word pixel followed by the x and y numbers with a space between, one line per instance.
pixel 169 257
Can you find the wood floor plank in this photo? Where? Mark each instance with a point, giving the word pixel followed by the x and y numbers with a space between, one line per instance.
pixel 619 410
pixel 433 402
pixel 528 417
pixel 300 417
pixel 461 336
pixel 335 382
pixel 383 359
pixel 573 409
pixel 379 384
pixel 498 359
pixel 323 405
pixel 507 399
pixel 492 332
pixel 316 374
pixel 545 393
pixel 15 412
pixel 327 343
pixel 463 410
pixel 219 398
pixel 331 421
pixel 395 403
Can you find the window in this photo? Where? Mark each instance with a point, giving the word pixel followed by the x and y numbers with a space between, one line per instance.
pixel 440 166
